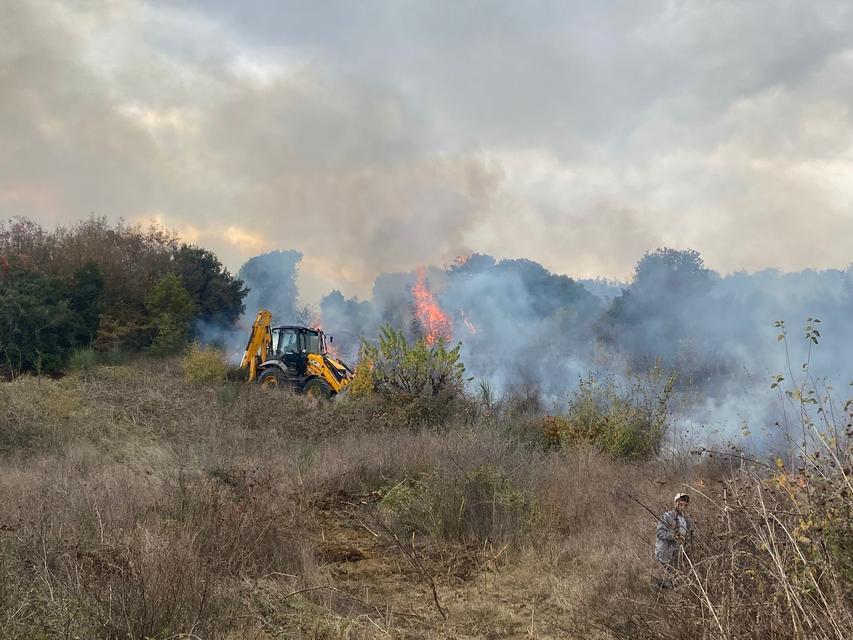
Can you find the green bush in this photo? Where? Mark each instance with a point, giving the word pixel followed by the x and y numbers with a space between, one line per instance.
pixel 39 325
pixel 487 506
pixel 481 504
pixel 227 394
pixel 362 384
pixel 407 505
pixel 413 370
pixel 204 364
pixel 627 422
pixel 83 360
pixel 114 356
pixel 171 308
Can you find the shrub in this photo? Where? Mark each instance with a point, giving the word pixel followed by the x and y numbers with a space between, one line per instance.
pixel 204 364
pixel 773 560
pixel 114 356
pixel 482 504
pixel 627 422
pixel 412 370
pixel 482 492
pixel 83 360
pixel 227 394
pixel 38 414
pixel 774 555
pixel 487 506
pixel 362 382
pixel 407 504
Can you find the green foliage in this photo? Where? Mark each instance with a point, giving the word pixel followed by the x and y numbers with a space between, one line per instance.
pixel 407 505
pixel 652 318
pixel 491 507
pixel 171 310
pixel 361 385
pixel 204 364
pixel 217 295
pixel 227 394
pixel 171 335
pixel 114 356
pixel 548 292
pixel 38 326
pixel 85 298
pixel 481 504
pixel 113 267
pixel 677 271
pixel 626 422
pixel 83 360
pixel 414 370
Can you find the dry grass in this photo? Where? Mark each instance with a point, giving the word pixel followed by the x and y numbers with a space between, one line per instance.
pixel 136 505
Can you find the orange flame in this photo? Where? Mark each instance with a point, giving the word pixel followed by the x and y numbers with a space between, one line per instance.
pixel 472 328
pixel 434 321
pixel 317 323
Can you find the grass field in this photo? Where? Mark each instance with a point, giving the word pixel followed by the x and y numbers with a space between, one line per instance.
pixel 134 504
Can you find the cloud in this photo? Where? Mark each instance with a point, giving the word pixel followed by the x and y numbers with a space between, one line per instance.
pixel 377 136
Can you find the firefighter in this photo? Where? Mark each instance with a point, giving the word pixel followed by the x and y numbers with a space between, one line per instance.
pixel 674 529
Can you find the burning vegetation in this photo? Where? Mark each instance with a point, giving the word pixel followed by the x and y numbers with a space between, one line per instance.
pixel 433 320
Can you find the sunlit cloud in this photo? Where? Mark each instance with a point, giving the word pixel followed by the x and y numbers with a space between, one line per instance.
pixel 401 135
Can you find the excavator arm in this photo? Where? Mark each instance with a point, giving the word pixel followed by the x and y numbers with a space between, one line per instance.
pixel 258 345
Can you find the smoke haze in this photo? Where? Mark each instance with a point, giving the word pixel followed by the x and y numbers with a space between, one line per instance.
pixel 523 327
pixel 375 137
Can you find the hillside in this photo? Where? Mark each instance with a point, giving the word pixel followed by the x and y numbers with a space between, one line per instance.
pixel 134 504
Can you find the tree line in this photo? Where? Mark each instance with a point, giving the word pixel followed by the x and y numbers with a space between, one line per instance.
pixel 108 287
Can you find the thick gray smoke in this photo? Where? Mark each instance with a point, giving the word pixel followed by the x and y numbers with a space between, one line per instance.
pixel 523 327
pixel 271 280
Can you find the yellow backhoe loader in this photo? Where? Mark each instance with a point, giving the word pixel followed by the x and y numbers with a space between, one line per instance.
pixel 293 357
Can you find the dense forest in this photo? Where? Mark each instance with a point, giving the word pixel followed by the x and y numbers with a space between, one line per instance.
pixel 114 288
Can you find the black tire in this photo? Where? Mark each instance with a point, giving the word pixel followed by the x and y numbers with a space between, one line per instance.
pixel 273 379
pixel 316 388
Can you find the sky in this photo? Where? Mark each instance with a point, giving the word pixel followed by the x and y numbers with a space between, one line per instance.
pixel 379 136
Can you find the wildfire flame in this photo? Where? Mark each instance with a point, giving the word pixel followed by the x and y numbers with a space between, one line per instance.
pixel 317 323
pixel 434 321
pixel 472 328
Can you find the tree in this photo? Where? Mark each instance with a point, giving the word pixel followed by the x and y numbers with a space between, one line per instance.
pixel 130 258
pixel 171 310
pixel 38 326
pixel 657 315
pixel 217 295
pixel 549 292
pixel 671 272
pixel 85 295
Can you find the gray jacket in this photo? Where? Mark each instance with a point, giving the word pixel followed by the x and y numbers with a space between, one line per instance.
pixel 666 545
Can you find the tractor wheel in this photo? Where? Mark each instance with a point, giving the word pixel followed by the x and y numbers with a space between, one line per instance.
pixel 272 379
pixel 320 389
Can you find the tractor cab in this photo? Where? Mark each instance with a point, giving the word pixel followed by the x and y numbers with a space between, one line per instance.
pixel 292 344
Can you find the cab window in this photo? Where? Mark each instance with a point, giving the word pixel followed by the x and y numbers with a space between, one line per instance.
pixel 284 341
pixel 312 342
